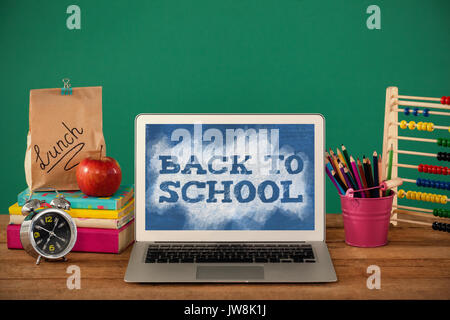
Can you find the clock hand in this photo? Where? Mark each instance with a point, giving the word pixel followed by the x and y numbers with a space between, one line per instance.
pixel 64 240
pixel 42 228
pixel 56 222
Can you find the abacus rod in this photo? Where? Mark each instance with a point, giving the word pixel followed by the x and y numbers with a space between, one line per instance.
pixel 437 113
pixel 414 139
pixel 418 98
pixel 408 180
pixel 434 126
pixel 416 153
pixel 410 166
pixel 412 208
pixel 412 221
pixel 419 214
pixel 421 104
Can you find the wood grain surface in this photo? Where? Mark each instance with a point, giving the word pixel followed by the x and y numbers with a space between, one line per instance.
pixel 414 265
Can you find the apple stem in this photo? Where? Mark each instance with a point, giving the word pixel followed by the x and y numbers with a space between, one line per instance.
pixel 101 148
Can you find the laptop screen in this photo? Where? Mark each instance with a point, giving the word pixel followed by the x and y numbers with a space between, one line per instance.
pixel 229 177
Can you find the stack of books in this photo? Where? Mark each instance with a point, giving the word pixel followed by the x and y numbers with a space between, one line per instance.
pixel 104 224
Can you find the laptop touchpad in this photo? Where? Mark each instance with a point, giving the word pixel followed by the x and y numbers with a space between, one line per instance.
pixel 230 272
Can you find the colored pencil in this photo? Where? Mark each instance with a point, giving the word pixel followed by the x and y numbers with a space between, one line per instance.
pixel 347 158
pixel 352 182
pixel 366 172
pixel 380 174
pixel 328 157
pixel 350 175
pixel 356 175
pixel 336 165
pixel 389 173
pixel 376 179
pixel 372 182
pixel 338 187
pixel 363 177
pixel 336 176
pixel 341 157
pixel 331 168
pixel 347 181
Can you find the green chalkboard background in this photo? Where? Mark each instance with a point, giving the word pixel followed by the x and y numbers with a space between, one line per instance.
pixel 221 56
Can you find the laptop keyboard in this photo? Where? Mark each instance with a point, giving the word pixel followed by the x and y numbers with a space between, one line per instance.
pixel 230 253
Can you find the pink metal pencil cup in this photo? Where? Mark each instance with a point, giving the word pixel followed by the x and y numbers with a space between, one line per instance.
pixel 366 220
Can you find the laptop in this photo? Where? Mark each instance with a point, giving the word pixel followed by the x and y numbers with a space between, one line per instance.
pixel 229 198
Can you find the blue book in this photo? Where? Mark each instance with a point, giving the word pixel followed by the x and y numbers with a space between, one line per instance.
pixel 79 200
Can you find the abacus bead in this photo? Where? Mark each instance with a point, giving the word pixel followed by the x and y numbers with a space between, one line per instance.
pixel 445 143
pixel 435 212
pixel 423 196
pixel 427 183
pixel 428 197
pixel 420 168
pixel 406 111
pixel 430 126
pixel 448 227
pixel 401 193
pixel 439 141
pixel 424 126
pixel 447 100
pixel 415 111
pixel 418 182
pixel 439 170
pixel 403 124
pixel 411 125
pixel 444 199
pixel 419 125
pixel 443 99
pixel 426 112
pixel 432 184
pixel 434 225
pixel 434 170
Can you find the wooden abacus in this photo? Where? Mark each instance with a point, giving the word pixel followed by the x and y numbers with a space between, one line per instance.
pixel 396 104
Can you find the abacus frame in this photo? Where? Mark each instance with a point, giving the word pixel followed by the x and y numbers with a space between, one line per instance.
pixel 391 138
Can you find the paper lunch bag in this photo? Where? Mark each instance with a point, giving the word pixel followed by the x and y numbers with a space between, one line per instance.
pixel 63 130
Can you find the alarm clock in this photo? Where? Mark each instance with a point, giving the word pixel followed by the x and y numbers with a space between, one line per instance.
pixel 49 233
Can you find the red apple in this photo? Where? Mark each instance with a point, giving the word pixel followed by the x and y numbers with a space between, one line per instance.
pixel 99 177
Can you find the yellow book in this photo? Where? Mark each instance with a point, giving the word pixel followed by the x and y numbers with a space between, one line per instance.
pixel 15 209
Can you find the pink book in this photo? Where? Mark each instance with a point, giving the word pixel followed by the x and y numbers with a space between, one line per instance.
pixel 88 239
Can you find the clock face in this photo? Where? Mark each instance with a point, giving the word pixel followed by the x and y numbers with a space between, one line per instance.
pixel 51 233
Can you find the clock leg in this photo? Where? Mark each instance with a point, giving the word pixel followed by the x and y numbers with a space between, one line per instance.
pixel 38 260
pixel 64 259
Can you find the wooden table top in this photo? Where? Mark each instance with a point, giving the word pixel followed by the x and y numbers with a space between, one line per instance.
pixel 414 265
